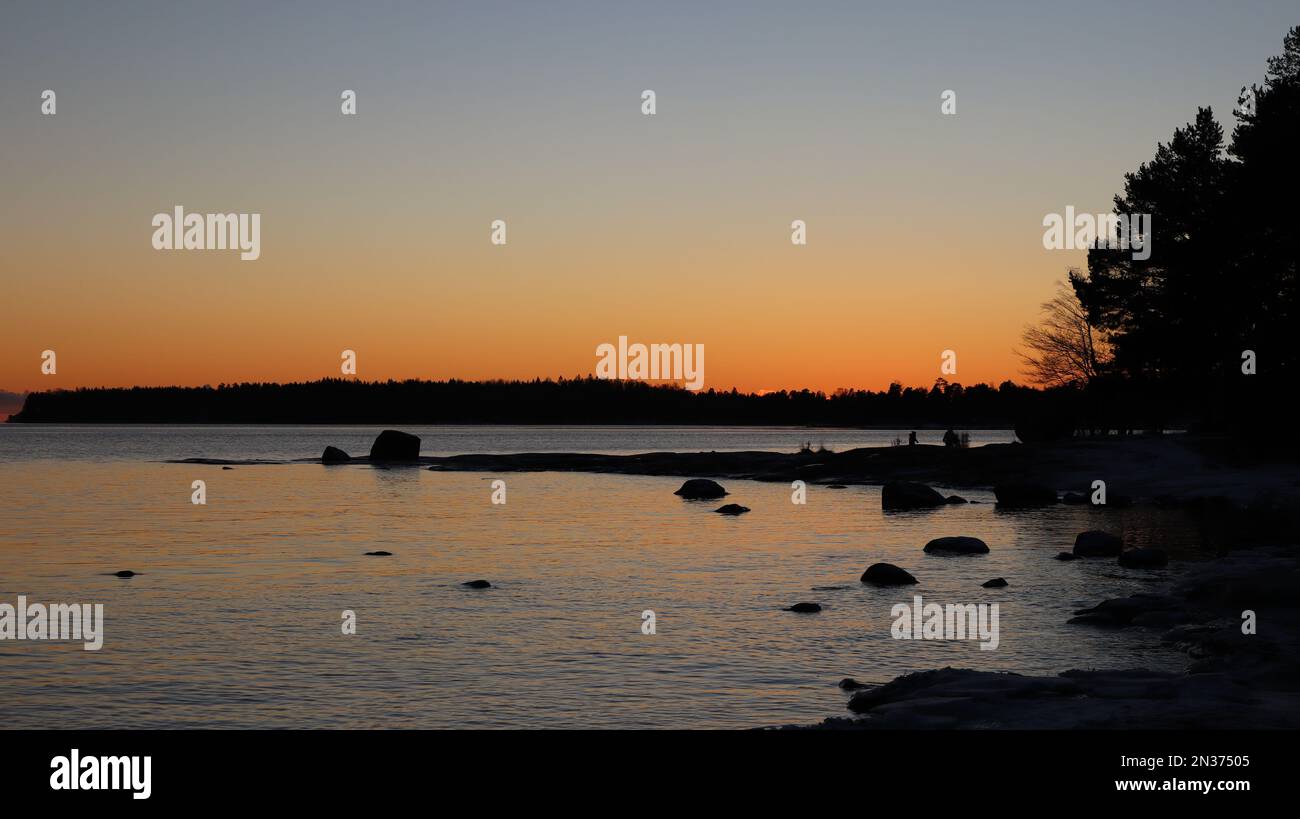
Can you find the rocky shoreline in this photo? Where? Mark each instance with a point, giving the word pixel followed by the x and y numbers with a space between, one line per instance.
pixel 1234 680
pixel 1167 469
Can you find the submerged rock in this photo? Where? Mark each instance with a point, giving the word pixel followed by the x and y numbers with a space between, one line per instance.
pixel 887 574
pixel 957 687
pixel 1143 558
pixel 334 455
pixel 957 499
pixel 963 698
pixel 909 495
pixel 124 573
pixel 380 553
pixel 1162 619
pixel 1136 609
pixel 804 608
pixel 701 489
pixel 1023 494
pixel 1088 700
pixel 1066 556
pixel 1095 543
pixel 392 445
pixel 995 583
pixel 732 509
pixel 477 584
pixel 958 545
pixel 850 684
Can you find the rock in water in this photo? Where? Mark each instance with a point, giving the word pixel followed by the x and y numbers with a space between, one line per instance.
pixel 958 545
pixel 909 495
pixel 1122 611
pixel 957 499
pixel 804 608
pixel 995 583
pixel 334 455
pixel 887 574
pixel 732 509
pixel 380 554
pixel 1066 556
pixel 850 684
pixel 1095 543
pixel 1143 558
pixel 392 445
pixel 701 489
pixel 477 584
pixel 124 573
pixel 1024 494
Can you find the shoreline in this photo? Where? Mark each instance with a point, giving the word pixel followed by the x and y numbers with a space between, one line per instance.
pixel 1233 681
pixel 1166 470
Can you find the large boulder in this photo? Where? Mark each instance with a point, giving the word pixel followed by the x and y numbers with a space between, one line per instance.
pixel 887 574
pixel 1023 494
pixel 1095 543
pixel 392 445
pixel 958 545
pixel 701 489
pixel 909 495
pixel 1143 558
pixel 334 455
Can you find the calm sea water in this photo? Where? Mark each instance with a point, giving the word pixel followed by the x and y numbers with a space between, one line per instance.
pixel 235 618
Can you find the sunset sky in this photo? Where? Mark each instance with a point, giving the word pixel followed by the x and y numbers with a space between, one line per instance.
pixel 924 230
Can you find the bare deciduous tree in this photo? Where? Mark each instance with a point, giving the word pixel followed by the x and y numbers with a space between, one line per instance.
pixel 1064 347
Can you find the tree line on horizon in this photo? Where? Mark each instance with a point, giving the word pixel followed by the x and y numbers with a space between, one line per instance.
pixel 581 400
pixel 1206 325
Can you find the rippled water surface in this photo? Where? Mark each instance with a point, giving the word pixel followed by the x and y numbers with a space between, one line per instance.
pixel 234 619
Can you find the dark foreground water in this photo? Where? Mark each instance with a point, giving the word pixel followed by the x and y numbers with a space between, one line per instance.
pixel 234 620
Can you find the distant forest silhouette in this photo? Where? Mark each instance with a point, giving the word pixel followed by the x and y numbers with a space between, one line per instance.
pixel 585 400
